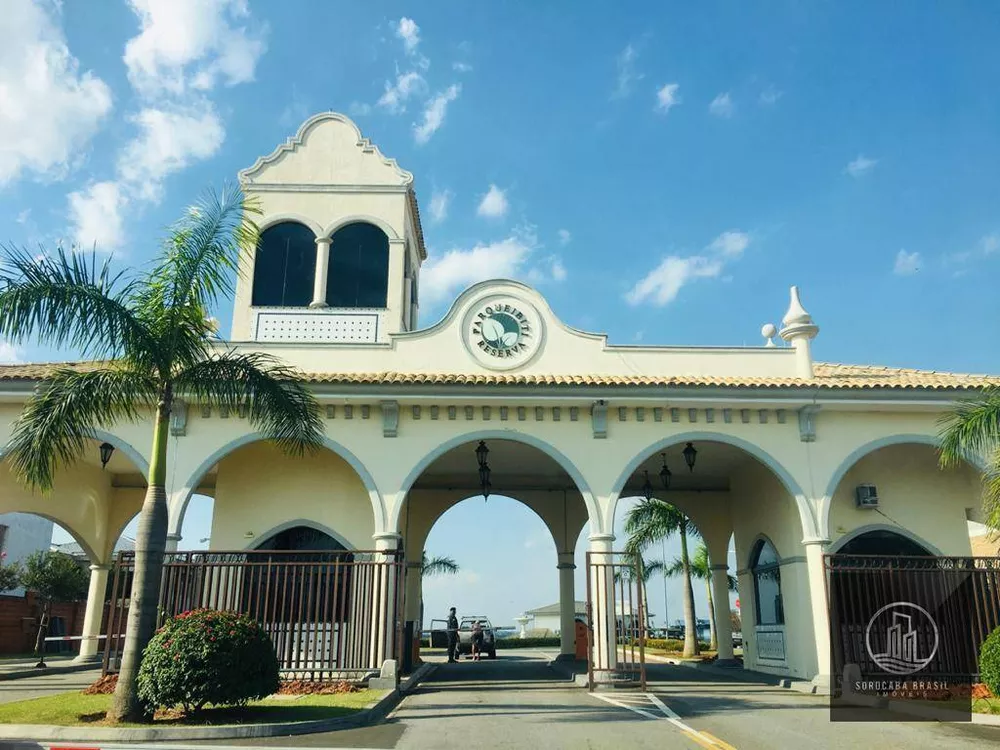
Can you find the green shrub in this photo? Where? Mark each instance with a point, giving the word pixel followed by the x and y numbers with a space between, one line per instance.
pixel 989 662
pixel 207 656
pixel 526 642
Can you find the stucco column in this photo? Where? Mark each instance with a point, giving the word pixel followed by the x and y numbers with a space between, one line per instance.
pixel 723 625
pixel 815 549
pixel 567 606
pixel 604 649
pixel 322 271
pixel 172 541
pixel 384 604
pixel 94 613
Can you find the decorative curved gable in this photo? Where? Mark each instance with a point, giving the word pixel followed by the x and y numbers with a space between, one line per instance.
pixel 327 151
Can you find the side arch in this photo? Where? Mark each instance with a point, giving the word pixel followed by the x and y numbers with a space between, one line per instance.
pixel 826 502
pixel 106 437
pixel 789 482
pixel 284 526
pixel 179 507
pixel 519 437
pixel 88 549
pixel 899 530
pixel 281 218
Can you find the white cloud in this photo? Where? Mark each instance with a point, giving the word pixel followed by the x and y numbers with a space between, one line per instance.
pixel 666 97
pixel 990 243
pixel 396 94
pixel 494 203
pixel 551 269
pixel 434 114
pixel 627 75
pixel 359 108
pixel 444 275
pixel 439 205
pixel 461 67
pixel 564 237
pixel 23 216
pixel 96 216
pixel 169 140
pixel 50 110
pixel 661 285
pixel 722 105
pixel 409 32
pixel 9 354
pixel 770 95
pixel 860 166
pixel 906 264
pixel 186 44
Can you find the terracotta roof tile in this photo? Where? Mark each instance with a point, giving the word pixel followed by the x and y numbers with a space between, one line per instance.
pixel 831 376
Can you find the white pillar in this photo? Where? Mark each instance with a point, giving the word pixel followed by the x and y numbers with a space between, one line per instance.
pixel 815 549
pixel 172 541
pixel 567 606
pixel 384 615
pixel 322 271
pixel 723 625
pixel 95 612
pixel 604 653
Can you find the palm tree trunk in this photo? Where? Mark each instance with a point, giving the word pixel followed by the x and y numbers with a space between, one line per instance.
pixel 714 640
pixel 150 546
pixel 43 627
pixel 690 634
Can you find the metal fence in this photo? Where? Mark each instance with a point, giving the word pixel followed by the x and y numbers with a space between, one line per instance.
pixel 330 614
pixel 616 620
pixel 962 594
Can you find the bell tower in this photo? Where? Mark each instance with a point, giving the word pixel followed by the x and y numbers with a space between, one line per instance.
pixel 341 243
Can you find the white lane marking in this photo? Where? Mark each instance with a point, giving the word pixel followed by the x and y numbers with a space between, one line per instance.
pixel 668 714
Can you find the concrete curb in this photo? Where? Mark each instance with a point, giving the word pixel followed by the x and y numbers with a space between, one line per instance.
pixel 371 715
pixel 20 674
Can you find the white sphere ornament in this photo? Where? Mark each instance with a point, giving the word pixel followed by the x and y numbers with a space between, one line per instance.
pixel 769 331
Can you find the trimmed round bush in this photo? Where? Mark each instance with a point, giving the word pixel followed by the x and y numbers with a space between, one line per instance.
pixel 207 656
pixel 989 662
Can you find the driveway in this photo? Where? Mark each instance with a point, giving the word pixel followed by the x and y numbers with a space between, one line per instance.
pixel 518 701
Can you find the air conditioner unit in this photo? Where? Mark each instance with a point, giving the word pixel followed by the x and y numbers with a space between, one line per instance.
pixel 866 496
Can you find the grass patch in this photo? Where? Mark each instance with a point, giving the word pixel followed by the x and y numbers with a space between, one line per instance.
pixel 986 705
pixel 76 709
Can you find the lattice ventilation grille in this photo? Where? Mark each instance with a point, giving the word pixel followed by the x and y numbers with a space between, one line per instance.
pixel 352 328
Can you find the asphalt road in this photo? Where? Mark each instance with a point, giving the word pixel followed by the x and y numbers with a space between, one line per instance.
pixel 518 701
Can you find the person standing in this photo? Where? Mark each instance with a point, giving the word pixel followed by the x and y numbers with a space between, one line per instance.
pixel 477 640
pixel 452 635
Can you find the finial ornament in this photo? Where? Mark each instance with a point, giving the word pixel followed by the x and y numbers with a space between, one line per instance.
pixel 768 331
pixel 797 323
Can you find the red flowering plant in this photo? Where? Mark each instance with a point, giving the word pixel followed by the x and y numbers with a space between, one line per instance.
pixel 207 656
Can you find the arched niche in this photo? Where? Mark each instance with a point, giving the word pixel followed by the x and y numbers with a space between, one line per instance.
pixel 884 542
pixel 359 267
pixel 285 266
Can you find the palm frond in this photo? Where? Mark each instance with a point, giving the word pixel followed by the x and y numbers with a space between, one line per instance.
pixel 438 565
pixel 651 520
pixel 71 300
pixel 971 429
pixel 275 399
pixel 201 257
pixel 56 420
pixel 674 568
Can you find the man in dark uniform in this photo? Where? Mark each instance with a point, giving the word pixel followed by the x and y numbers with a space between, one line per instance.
pixel 452 635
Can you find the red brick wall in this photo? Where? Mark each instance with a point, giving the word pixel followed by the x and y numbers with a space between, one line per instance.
pixel 19 623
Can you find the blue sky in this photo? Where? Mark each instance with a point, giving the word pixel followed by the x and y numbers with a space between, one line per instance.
pixel 661 171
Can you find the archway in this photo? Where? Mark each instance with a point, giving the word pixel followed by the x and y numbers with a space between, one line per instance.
pixel 883 541
pixel 528 526
pixel 284 266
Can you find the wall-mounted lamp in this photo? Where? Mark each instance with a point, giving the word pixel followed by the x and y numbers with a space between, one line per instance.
pixel 106 450
pixel 690 454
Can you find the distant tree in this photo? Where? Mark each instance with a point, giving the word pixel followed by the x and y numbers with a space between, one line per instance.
pixel 434 566
pixel 54 577
pixel 972 430
pixel 648 569
pixel 10 575
pixel 701 568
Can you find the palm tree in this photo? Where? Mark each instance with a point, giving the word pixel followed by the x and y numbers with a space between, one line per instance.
pixel 434 566
pixel 149 341
pixel 701 568
pixel 972 430
pixel 647 522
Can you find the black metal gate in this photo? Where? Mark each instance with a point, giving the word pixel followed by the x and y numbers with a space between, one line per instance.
pixel 961 596
pixel 616 620
pixel 330 614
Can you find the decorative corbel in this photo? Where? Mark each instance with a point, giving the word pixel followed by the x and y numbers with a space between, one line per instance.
pixel 807 423
pixel 390 418
pixel 599 418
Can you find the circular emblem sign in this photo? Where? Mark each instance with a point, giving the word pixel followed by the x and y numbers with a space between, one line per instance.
pixel 502 333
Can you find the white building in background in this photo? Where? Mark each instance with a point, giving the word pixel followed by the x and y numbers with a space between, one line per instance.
pixel 548 618
pixel 21 534
pixel 793 455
